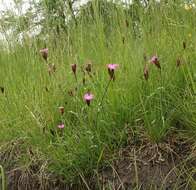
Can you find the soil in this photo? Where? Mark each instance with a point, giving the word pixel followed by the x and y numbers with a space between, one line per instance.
pixel 151 166
pixel 139 165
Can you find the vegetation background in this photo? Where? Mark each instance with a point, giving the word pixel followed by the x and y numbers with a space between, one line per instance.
pixel 144 103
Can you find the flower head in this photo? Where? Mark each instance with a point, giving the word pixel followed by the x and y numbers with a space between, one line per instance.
pixel 61 126
pixel 88 97
pixel 154 60
pixel 111 69
pixel 44 53
pixel 112 66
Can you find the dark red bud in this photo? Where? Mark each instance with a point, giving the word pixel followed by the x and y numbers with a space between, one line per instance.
pixel 184 44
pixel 88 102
pixel 178 62
pixel 146 72
pixel 123 40
pixel 158 65
pixel 126 23
pixel 45 55
pixel 74 67
pixel 61 110
pixel 84 81
pixel 71 93
pixel 88 68
pixel 111 73
pixel 2 89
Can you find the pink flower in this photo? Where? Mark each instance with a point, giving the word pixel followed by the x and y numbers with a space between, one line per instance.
pixel 112 66
pixel 74 67
pixel 154 60
pixel 44 53
pixel 61 126
pixel 88 97
pixel 111 69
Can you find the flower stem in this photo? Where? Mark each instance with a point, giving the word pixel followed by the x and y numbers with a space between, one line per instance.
pixel 102 99
pixel 3 177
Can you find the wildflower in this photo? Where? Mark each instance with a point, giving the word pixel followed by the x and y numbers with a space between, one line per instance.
pixel 146 72
pixel 44 53
pixel 61 126
pixel 111 69
pixel 154 60
pixel 61 110
pixel 74 67
pixel 88 97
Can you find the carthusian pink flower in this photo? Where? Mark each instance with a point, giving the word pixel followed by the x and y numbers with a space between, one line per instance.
pixel 111 69
pixel 44 53
pixel 154 60
pixel 88 97
pixel 61 126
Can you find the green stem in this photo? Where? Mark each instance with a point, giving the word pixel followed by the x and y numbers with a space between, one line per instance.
pixel 2 177
pixel 102 99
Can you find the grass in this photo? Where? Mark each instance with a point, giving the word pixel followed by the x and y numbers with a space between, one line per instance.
pixel 166 101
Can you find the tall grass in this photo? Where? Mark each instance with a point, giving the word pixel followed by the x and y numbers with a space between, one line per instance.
pixel 31 98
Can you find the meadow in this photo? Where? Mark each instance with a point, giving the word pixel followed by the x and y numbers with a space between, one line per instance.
pixel 116 85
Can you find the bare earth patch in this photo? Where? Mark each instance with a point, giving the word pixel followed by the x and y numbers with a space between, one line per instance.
pixel 140 165
pixel 168 166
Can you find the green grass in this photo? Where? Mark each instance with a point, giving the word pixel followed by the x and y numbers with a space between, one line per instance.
pixel 30 112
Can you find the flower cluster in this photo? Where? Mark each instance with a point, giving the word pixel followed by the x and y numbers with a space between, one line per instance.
pixel 88 97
